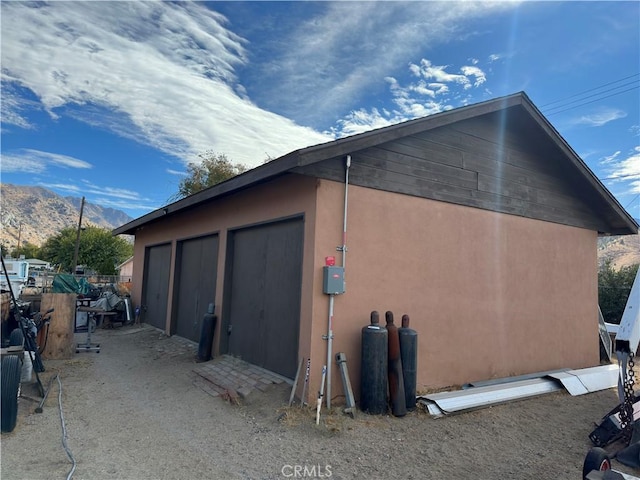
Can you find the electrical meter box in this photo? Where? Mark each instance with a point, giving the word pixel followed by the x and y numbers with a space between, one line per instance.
pixel 333 280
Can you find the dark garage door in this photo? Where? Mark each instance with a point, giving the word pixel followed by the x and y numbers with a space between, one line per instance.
pixel 197 268
pixel 156 285
pixel 265 282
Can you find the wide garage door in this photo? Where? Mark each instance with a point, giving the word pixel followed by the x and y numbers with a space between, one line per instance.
pixel 156 285
pixel 264 281
pixel 197 268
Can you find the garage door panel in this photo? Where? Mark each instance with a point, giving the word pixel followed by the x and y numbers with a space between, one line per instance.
pixel 265 287
pixel 282 296
pixel 247 296
pixel 156 285
pixel 196 284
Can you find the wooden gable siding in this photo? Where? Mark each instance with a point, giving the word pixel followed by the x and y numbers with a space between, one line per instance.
pixel 475 162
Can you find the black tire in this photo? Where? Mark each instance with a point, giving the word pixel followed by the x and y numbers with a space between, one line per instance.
pixel 16 338
pixel 596 459
pixel 10 370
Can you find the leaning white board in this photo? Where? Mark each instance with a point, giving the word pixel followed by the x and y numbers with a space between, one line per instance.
pixel 628 335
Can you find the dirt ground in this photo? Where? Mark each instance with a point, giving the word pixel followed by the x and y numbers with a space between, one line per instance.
pixel 133 411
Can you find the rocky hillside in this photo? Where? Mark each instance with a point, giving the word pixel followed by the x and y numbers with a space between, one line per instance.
pixel 44 213
pixel 622 250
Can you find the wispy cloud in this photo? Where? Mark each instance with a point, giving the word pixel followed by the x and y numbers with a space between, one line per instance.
pixel 433 91
pixel 160 73
pixel 599 118
pixel 117 198
pixel 36 161
pixel 610 158
pixel 177 172
pixel 346 50
pixel 12 107
pixel 438 73
pixel 164 74
pixel 625 170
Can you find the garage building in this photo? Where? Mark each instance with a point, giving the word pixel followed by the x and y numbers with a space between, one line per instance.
pixel 480 223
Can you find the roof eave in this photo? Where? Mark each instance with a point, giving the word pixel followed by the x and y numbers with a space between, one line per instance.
pixel 344 146
pixel 263 172
pixel 583 168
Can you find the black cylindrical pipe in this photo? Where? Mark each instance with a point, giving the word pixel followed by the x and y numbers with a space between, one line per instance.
pixel 206 335
pixel 373 367
pixel 396 382
pixel 409 356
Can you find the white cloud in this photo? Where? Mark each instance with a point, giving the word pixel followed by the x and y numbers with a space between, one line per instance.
pixel 626 170
pixel 438 73
pixel 610 158
pixel 144 205
pixel 369 40
pixel 62 187
pixel 417 99
pixel 176 172
pixel 600 117
pixel 157 72
pixel 360 121
pixel 36 161
pixel 479 75
pixel 91 188
pixel 118 198
pixel 12 107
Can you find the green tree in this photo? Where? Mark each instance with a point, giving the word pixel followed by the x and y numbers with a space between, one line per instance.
pixel 98 250
pixel 614 287
pixel 29 250
pixel 211 169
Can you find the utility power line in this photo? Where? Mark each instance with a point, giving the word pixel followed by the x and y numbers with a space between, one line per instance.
pixel 590 90
pixel 581 99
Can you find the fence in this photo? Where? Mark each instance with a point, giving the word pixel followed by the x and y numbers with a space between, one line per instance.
pixel 44 281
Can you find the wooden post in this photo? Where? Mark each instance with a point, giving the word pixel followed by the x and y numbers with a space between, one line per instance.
pixel 60 344
pixel 5 298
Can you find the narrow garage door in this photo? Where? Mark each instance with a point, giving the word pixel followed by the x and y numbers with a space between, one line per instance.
pixel 197 268
pixel 156 285
pixel 264 297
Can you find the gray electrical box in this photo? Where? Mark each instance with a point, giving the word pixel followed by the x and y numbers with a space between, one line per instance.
pixel 333 280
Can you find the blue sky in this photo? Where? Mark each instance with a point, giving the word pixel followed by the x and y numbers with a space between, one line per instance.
pixel 111 99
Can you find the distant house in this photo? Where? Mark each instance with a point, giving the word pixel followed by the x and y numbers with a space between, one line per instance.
pixel 480 223
pixel 37 264
pixel 125 269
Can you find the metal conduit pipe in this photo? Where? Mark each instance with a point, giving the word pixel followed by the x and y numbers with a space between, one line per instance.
pixel 343 249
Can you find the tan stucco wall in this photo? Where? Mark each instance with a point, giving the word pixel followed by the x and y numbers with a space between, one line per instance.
pixel 490 295
pixel 284 197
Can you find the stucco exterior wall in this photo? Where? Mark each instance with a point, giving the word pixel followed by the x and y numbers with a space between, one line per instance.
pixel 284 197
pixel 490 295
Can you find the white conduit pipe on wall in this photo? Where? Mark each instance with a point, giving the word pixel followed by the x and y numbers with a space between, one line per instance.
pixel 343 249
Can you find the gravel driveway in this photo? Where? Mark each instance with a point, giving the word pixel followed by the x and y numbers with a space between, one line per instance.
pixel 135 411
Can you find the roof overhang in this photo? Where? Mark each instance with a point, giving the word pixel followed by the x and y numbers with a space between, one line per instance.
pixel 349 145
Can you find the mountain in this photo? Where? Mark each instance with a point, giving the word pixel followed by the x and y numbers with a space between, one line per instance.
pixel 34 214
pixel 44 213
pixel 622 250
pixel 96 213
